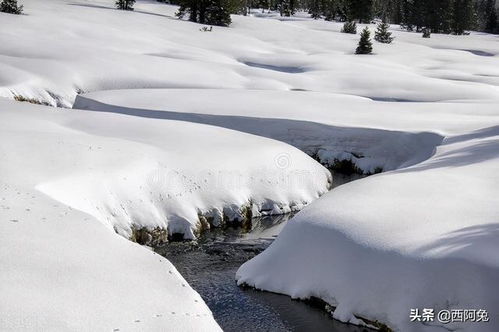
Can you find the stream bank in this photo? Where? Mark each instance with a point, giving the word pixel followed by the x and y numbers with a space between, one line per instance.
pixel 209 265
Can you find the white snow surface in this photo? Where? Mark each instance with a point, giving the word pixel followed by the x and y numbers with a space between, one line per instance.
pixel 371 134
pixel 61 270
pixel 70 179
pixel 62 47
pixel 423 235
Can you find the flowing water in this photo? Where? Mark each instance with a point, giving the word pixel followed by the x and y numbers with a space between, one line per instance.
pixel 209 265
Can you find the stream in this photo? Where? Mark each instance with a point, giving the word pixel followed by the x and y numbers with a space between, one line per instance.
pixel 209 265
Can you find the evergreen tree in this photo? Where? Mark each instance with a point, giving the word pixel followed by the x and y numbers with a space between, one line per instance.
pixel 437 15
pixel 125 4
pixel 361 10
pixel 382 34
pixel 213 12
pixel 216 14
pixel 383 9
pixel 491 24
pixel 462 16
pixel 287 7
pixel 365 45
pixel 315 9
pixel 10 7
pixel 349 27
pixel 441 16
pixel 330 9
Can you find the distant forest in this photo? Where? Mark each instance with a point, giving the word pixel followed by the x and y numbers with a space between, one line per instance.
pixel 438 16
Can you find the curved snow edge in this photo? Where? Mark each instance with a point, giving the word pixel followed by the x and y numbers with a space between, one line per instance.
pixel 356 280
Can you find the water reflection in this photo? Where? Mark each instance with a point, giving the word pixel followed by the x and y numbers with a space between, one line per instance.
pixel 210 265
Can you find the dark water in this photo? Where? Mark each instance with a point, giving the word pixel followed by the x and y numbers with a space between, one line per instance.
pixel 209 265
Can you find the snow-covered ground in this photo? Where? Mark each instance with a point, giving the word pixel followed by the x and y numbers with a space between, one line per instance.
pixel 62 47
pixel 420 237
pixel 186 150
pixel 124 173
pixel 329 126
pixel 62 271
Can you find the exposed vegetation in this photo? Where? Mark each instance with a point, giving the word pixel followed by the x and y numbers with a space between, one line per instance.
pixel 11 7
pixel 349 27
pixel 149 237
pixel 30 100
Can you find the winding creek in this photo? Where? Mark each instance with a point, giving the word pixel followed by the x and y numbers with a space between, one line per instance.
pixel 210 264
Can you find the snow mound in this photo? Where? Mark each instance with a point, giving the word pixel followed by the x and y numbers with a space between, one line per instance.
pixel 132 173
pixel 62 270
pixel 69 177
pixel 331 127
pixel 64 47
pixel 420 237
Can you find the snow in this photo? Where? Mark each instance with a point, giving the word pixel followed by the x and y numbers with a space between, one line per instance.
pixel 372 134
pixel 420 237
pixel 61 270
pixel 83 45
pixel 211 123
pixel 122 173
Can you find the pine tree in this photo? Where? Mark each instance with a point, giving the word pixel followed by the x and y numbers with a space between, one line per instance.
pixel 213 12
pixel 382 34
pixel 315 9
pixel 365 45
pixel 217 14
pixel 11 7
pixel 330 9
pixel 491 23
pixel 462 16
pixel 441 16
pixel 125 4
pixel 287 7
pixel 349 27
pixel 361 10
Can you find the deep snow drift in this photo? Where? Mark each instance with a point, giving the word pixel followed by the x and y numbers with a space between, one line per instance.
pixel 66 174
pixel 423 235
pixel 418 237
pixel 373 135
pixel 61 270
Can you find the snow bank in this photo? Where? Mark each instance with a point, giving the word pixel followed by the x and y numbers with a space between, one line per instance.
pixel 63 271
pixel 65 175
pixel 332 127
pixel 130 172
pixel 421 237
pixel 417 237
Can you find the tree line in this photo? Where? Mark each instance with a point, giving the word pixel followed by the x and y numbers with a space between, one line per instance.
pixel 439 16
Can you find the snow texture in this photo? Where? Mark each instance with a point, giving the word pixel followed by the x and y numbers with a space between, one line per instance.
pixel 193 103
